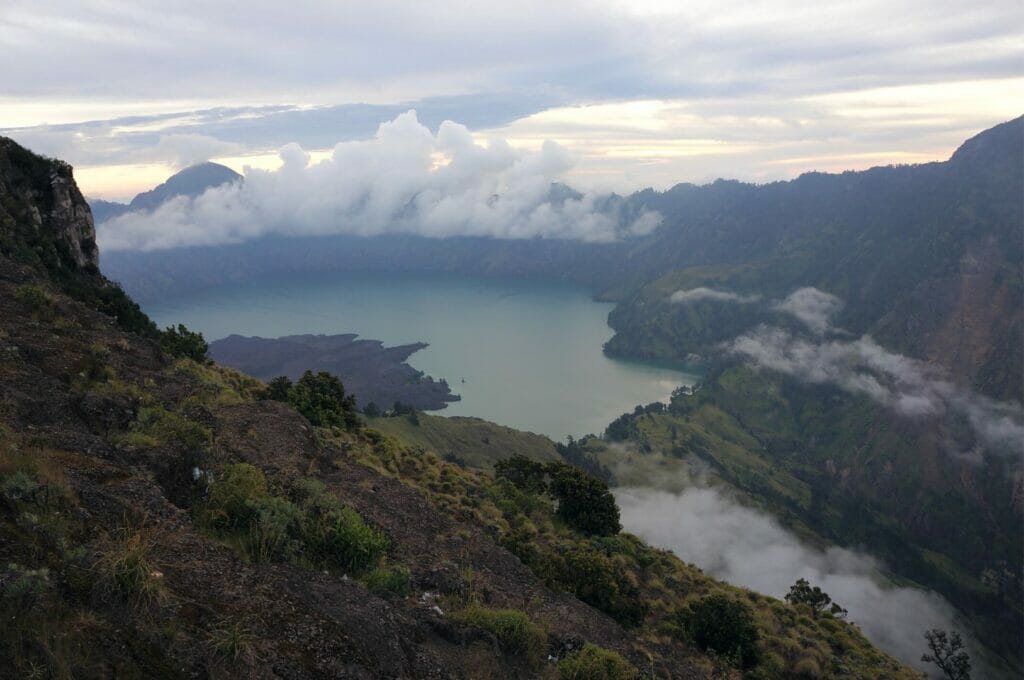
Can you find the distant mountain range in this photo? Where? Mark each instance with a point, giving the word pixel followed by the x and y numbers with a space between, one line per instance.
pixel 191 182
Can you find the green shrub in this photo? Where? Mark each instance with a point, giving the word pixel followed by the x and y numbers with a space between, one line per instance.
pixel 341 539
pixel 515 632
pixel 595 579
pixel 37 299
pixel 21 587
pixel 717 623
pixel 322 399
pixel 233 488
pixel 155 423
pixel 315 527
pixel 181 342
pixel 20 486
pixel 389 581
pixel 525 473
pixel 278 388
pixel 594 663
pixel 273 527
pixel 584 502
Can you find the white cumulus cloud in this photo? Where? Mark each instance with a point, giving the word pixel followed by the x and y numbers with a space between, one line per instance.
pixel 406 179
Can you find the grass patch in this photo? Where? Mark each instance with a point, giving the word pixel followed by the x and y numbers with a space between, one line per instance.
pixel 389 581
pixel 232 641
pixel 595 663
pixel 125 568
pixel 155 426
pixel 312 527
pixel 514 630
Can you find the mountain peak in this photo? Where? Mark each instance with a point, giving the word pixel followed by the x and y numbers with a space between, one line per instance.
pixel 192 182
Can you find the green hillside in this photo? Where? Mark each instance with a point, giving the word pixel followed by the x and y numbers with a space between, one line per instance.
pixel 470 441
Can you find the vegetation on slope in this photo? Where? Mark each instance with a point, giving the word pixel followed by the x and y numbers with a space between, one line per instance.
pixel 643 588
pixel 470 441
pixel 788 446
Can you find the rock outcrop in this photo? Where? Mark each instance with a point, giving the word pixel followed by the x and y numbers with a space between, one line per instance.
pixel 42 200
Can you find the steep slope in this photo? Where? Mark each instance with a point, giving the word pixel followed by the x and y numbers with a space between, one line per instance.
pixel 927 258
pixel 158 519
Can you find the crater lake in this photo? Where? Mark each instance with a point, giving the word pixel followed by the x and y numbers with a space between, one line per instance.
pixel 522 353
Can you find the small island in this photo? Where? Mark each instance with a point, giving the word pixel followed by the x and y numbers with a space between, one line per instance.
pixel 374 373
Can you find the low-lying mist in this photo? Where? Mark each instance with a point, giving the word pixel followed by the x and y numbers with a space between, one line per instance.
pixel 738 544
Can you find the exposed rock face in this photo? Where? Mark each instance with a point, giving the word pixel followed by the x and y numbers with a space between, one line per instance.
pixel 44 211
pixel 71 218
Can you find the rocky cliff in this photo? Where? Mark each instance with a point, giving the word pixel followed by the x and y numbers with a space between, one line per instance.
pixel 43 210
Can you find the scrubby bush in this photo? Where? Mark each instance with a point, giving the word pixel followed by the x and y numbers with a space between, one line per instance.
pixel 525 473
pixel 595 663
pixel 389 581
pixel 595 579
pixel 341 539
pixel 179 341
pixel 125 567
pixel 273 527
pixel 231 640
pixel 20 587
pixel 37 299
pixel 312 527
pixel 156 425
pixel 584 501
pixel 20 486
pixel 319 397
pixel 514 630
pixel 718 623
pixel 234 487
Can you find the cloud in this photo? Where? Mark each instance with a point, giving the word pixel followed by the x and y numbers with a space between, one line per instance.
pixel 406 179
pixel 755 93
pixel 750 549
pixel 698 294
pixel 910 387
pixel 813 307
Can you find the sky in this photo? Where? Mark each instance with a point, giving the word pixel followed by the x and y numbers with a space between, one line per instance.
pixel 638 93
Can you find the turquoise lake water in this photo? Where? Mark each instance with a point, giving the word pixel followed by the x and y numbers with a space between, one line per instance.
pixel 529 351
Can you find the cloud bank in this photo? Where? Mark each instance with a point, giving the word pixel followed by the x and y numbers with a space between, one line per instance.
pixel 749 549
pixel 908 386
pixel 812 307
pixel 697 294
pixel 405 179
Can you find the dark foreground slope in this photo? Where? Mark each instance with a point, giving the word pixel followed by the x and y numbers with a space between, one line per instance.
pixel 157 519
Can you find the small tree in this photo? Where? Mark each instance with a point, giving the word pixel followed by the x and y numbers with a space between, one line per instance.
pixel 322 399
pixel 947 652
pixel 278 388
pixel 371 410
pixel 814 597
pixel 723 626
pixel 526 474
pixel 583 501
